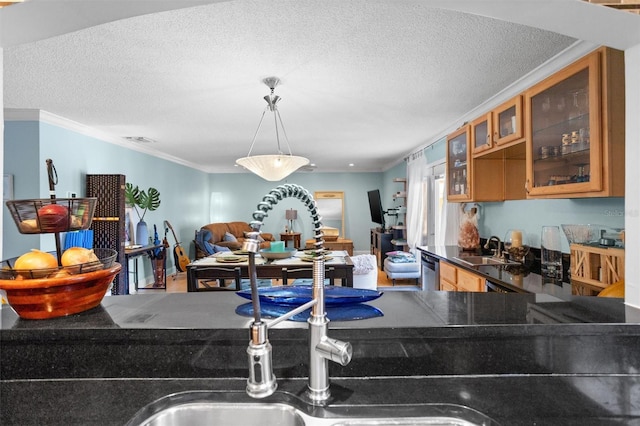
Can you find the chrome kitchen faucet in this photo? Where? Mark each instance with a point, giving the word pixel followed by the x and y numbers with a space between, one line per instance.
pixel 322 349
pixel 498 252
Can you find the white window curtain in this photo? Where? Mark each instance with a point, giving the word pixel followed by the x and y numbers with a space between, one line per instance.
pixel 417 199
pixel 448 229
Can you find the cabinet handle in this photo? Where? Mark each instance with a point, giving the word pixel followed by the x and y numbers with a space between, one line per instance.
pixel 526 186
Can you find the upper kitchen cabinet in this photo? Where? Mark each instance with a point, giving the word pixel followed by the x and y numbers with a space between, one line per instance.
pixel 575 130
pixel 481 139
pixel 473 178
pixel 499 127
pixel 507 122
pixel 459 164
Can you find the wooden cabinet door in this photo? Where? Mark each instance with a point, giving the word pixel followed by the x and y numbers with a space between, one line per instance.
pixel 564 131
pixel 448 272
pixel 574 132
pixel 481 134
pixel 447 286
pixel 469 282
pixel 459 165
pixel 507 122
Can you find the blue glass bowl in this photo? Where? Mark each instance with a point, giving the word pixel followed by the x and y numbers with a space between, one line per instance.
pixel 354 312
pixel 299 295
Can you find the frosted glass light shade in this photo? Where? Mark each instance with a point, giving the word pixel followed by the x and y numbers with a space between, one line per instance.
pixel 272 167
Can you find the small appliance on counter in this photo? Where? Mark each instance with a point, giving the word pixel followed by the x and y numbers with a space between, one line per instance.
pixel 594 235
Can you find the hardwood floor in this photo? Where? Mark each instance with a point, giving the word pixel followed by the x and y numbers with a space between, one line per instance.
pixel 177 283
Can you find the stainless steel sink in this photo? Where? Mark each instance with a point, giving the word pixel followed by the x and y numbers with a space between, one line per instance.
pixel 216 413
pixel 196 408
pixel 484 260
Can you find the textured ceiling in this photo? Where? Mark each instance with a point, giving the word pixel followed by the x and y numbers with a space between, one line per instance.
pixel 363 82
pixel 632 6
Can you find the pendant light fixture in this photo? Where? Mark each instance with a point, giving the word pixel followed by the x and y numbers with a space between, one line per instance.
pixel 278 166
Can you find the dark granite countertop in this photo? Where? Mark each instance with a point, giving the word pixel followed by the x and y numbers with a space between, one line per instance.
pixel 518 358
pixel 517 278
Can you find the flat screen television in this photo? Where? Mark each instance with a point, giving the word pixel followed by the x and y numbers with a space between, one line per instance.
pixel 375 206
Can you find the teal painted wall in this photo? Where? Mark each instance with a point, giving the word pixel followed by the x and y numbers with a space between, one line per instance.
pixel 240 194
pixel 532 215
pixel 21 154
pixel 390 187
pixel 436 152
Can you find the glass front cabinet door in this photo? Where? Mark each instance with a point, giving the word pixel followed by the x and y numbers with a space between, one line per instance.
pixel 569 143
pixel 459 165
pixel 481 139
pixel 507 121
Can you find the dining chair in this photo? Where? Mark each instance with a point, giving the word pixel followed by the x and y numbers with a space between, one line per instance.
pixel 200 279
pixel 304 276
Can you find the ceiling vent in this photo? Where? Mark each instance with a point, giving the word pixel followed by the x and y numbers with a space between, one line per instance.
pixel 139 139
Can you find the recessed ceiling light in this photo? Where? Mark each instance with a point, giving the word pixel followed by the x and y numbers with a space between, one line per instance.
pixel 351 164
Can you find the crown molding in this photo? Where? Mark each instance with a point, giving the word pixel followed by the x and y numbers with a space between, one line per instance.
pixel 13 114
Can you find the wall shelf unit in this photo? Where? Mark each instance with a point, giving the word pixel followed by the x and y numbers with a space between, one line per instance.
pixel 398 230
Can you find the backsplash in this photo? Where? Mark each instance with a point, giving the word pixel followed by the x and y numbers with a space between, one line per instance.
pixel 531 215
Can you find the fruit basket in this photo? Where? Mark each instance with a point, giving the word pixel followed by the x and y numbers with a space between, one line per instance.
pixel 37 216
pixel 45 298
pixel 104 259
pixel 41 285
pixel 58 291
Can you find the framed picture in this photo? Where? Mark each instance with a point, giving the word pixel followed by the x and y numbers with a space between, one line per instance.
pixel 7 187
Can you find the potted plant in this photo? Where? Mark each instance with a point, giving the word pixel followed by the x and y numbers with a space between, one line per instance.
pixel 148 200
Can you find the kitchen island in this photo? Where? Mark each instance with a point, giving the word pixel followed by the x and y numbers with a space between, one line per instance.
pixel 489 352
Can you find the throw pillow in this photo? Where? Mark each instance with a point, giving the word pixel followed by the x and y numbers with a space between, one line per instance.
pixel 401 257
pixel 202 241
pixel 230 237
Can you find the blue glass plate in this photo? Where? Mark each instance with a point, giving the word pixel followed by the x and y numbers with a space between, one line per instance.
pixel 354 312
pixel 291 295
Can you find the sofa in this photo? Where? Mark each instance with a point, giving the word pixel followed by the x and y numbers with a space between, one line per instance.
pixel 229 235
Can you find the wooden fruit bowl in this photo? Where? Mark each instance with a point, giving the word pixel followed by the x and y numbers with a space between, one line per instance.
pixel 46 298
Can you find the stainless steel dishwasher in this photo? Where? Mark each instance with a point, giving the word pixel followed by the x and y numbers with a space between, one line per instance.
pixel 430 272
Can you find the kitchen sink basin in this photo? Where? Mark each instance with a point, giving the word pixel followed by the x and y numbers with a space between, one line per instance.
pixel 484 260
pixel 212 413
pixel 194 408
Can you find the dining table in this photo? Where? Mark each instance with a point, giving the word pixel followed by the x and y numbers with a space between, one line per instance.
pixel 201 269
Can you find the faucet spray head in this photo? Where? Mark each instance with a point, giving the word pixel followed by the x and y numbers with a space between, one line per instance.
pixel 261 382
